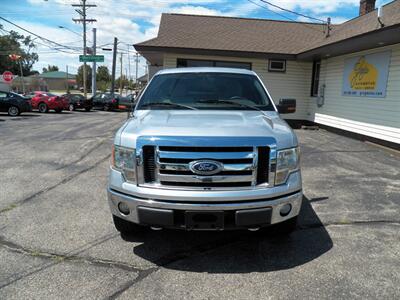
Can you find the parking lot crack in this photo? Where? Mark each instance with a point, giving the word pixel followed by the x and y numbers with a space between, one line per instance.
pixel 50 188
pixel 175 257
pixel 349 223
pixel 55 258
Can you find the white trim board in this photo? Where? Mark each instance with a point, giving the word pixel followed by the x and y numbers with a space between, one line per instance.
pixel 390 134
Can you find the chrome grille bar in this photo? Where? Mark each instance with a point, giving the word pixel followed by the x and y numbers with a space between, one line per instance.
pixel 185 167
pixel 205 179
pixel 206 155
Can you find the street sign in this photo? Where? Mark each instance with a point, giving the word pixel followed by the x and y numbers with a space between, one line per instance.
pixel 8 76
pixel 91 58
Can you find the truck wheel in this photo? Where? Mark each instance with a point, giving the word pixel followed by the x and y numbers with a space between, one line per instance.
pixel 126 227
pixel 43 108
pixel 87 108
pixel 13 111
pixel 58 110
pixel 286 227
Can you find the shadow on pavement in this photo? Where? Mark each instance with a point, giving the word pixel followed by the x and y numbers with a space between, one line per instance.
pixel 235 251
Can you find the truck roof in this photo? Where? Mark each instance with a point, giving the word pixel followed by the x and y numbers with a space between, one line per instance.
pixel 206 70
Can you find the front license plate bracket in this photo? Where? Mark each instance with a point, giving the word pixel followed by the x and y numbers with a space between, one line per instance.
pixel 204 220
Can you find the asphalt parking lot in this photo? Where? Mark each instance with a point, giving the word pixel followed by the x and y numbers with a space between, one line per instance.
pixel 57 239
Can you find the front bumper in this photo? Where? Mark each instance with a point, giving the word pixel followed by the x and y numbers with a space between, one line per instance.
pixel 171 214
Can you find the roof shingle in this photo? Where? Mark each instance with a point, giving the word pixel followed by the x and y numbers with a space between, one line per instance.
pixel 260 35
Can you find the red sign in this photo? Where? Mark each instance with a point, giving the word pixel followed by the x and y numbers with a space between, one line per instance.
pixel 7 76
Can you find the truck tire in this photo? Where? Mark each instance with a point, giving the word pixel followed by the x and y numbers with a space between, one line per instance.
pixel 58 110
pixel 126 227
pixel 286 227
pixel 88 108
pixel 43 108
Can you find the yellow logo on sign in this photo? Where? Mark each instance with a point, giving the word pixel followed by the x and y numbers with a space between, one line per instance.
pixel 364 76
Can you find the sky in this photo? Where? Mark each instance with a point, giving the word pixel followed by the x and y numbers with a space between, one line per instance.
pixel 133 21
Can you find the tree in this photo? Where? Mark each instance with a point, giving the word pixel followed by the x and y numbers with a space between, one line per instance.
pixel 103 74
pixel 103 86
pixel 125 82
pixel 50 69
pixel 79 77
pixel 15 43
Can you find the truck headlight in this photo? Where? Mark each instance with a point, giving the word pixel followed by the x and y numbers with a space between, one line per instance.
pixel 288 161
pixel 123 160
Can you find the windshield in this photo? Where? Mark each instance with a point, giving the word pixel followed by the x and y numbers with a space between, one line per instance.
pixel 205 91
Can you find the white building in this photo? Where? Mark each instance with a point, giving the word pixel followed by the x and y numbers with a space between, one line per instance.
pixel 346 76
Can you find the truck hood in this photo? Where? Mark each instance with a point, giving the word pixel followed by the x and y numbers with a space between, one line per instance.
pixel 205 123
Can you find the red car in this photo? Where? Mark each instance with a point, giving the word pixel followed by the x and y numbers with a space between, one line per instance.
pixel 44 101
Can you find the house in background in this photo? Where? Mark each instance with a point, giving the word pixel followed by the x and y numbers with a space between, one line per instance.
pixel 4 86
pixel 142 80
pixel 58 80
pixel 344 76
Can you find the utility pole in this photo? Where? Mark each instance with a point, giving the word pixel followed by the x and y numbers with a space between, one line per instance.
pixel 121 74
pixel 114 66
pixel 84 20
pixel 67 78
pixel 136 76
pixel 22 76
pixel 94 87
pixel 129 68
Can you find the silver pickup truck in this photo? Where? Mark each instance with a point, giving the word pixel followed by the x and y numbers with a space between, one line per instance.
pixel 206 149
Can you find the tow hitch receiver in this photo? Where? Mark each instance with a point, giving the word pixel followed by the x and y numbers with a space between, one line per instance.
pixel 204 220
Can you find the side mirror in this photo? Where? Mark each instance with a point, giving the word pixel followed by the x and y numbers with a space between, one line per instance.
pixel 287 106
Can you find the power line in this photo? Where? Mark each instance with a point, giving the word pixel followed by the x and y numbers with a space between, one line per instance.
pixel 286 17
pixel 293 12
pixel 38 36
pixel 39 43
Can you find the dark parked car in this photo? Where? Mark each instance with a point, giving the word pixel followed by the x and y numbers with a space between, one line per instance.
pixel 106 101
pixel 127 102
pixel 77 101
pixel 14 104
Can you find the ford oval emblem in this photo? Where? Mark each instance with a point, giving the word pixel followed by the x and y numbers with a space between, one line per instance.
pixel 206 167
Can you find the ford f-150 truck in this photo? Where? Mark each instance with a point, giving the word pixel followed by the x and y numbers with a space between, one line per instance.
pixel 206 149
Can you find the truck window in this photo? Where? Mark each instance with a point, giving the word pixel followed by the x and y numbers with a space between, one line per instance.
pixel 195 88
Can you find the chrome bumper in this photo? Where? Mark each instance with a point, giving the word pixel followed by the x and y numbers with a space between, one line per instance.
pixel 275 204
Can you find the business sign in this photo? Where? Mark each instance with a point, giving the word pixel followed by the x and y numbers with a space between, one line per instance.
pixel 366 76
pixel 91 58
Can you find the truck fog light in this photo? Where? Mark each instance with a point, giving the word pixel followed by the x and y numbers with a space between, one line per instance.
pixel 123 208
pixel 285 210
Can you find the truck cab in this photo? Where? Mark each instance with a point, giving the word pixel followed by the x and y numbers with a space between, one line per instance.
pixel 205 149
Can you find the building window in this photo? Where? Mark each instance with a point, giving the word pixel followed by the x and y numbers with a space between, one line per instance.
pixel 183 63
pixel 315 78
pixel 277 65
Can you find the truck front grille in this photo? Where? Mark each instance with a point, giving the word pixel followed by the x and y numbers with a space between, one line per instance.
pixel 169 166
pixel 149 163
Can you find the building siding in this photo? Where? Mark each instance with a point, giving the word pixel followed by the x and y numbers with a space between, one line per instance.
pixel 375 117
pixel 295 83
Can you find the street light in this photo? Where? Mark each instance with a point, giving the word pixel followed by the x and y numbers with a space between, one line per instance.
pixel 62 27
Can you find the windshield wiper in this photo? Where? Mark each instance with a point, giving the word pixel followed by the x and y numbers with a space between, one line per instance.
pixel 214 101
pixel 169 104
